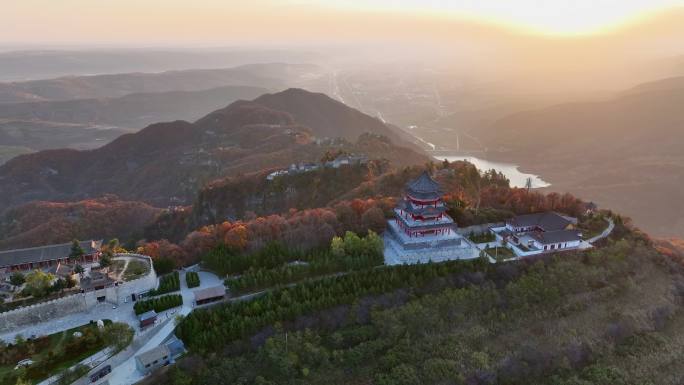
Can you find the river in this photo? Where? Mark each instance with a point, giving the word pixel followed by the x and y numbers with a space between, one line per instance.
pixel 510 170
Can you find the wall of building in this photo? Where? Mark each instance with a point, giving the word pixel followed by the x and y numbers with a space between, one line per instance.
pixel 559 246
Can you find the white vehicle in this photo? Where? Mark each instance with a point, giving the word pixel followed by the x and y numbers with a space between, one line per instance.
pixel 24 363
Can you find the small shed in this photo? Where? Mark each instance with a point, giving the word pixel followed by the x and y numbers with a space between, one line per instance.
pixel 147 318
pixel 210 294
pixel 152 359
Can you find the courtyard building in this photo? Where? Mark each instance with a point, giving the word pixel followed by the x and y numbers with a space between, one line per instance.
pixel 539 233
pixel 44 257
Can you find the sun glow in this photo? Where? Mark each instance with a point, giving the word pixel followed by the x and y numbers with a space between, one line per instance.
pixel 560 17
pixel 217 22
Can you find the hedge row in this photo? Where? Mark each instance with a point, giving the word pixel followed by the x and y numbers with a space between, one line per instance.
pixel 167 284
pixel 158 304
pixel 192 279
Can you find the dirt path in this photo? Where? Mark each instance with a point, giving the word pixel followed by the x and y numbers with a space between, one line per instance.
pixel 120 277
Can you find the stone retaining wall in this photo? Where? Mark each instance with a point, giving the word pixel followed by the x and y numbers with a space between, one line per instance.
pixel 139 285
pixel 76 303
pixel 42 312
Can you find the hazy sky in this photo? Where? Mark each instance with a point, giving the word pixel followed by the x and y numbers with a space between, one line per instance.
pixel 141 22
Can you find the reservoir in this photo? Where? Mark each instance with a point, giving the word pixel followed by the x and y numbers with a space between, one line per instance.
pixel 510 170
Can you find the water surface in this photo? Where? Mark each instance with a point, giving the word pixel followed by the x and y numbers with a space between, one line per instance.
pixel 510 170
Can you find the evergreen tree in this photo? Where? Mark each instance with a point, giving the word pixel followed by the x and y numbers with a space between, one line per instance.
pixel 76 250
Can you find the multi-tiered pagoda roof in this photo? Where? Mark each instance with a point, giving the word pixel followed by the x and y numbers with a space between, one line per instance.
pixel 422 231
pixel 424 188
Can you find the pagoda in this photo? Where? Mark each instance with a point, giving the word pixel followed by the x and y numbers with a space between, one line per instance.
pixel 421 230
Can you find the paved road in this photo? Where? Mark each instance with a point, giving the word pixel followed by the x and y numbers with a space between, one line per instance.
pixel 126 373
pixel 605 233
pixel 123 313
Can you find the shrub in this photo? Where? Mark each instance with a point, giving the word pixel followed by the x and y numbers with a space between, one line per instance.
pixel 163 265
pixel 192 279
pixel 158 304
pixel 167 284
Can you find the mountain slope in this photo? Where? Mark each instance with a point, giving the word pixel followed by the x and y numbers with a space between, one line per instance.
pixel 131 111
pixel 165 163
pixel 41 223
pixel 624 153
pixel 271 75
pixel 43 64
pixel 330 117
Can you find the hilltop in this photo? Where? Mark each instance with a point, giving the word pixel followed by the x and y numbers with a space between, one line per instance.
pixel 165 163
pixel 90 123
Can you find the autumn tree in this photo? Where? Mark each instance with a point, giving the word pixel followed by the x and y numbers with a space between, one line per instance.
pixel 38 283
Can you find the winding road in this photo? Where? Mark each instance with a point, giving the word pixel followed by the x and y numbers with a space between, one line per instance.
pixel 605 233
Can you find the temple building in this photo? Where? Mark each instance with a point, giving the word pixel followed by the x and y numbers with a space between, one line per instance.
pixel 422 231
pixel 533 234
pixel 48 256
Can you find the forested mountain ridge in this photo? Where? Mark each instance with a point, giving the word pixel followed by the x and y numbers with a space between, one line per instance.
pixel 606 316
pixel 166 163
pixel 40 223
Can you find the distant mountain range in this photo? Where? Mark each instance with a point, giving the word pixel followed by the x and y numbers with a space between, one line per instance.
pixel 624 152
pixel 268 75
pixel 42 64
pixel 85 112
pixel 131 111
pixel 165 163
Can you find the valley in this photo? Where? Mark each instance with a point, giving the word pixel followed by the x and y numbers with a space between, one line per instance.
pixel 320 192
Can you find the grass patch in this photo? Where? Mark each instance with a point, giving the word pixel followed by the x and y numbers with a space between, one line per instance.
pixel 593 226
pixel 500 253
pixel 117 266
pixel 485 237
pixel 135 270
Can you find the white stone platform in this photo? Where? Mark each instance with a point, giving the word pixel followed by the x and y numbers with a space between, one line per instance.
pixel 395 254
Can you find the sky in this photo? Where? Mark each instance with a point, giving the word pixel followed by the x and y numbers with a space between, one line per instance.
pixel 214 22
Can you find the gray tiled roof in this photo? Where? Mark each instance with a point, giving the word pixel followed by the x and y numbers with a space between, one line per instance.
pixel 210 292
pixel 147 315
pixel 424 187
pixel 44 253
pixel 559 236
pixel 549 221
pixel 153 354
pixel 427 210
